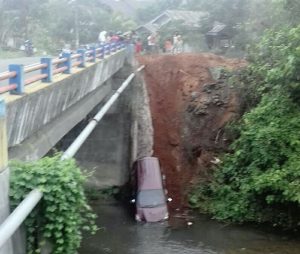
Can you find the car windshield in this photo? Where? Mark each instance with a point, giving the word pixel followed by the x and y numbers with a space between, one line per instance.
pixel 151 198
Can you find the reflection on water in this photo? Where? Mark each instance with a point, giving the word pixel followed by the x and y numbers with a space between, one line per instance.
pixel 120 234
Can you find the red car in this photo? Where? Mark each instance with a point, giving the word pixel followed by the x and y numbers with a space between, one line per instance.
pixel 151 202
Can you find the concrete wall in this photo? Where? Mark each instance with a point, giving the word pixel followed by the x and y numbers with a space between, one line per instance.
pixel 4 176
pixel 41 117
pixel 106 152
pixel 4 207
pixel 142 126
pixel 123 135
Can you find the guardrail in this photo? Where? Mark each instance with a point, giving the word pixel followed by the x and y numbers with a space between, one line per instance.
pixel 17 217
pixel 50 67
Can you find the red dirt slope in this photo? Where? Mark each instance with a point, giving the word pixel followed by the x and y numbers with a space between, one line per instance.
pixel 189 109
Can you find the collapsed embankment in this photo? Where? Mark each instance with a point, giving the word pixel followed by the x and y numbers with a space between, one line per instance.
pixel 190 104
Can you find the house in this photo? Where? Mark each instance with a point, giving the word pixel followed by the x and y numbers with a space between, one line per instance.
pixel 191 19
pixel 219 37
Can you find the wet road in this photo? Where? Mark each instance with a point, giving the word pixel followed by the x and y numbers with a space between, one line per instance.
pixel 119 234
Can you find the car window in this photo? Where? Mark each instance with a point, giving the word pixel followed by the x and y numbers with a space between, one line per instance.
pixel 151 198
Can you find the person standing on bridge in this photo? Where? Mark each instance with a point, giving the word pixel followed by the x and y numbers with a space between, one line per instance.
pixel 138 46
pixel 102 37
pixel 153 43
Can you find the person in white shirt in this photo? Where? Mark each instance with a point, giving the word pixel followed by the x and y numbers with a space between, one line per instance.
pixel 179 44
pixel 175 42
pixel 151 43
pixel 102 37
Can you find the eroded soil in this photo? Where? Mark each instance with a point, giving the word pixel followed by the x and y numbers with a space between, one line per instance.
pixel 190 104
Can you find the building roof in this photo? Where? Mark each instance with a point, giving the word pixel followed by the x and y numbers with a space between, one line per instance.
pixel 217 28
pixel 191 19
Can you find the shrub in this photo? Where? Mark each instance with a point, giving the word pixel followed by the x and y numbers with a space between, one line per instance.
pixel 260 180
pixel 63 212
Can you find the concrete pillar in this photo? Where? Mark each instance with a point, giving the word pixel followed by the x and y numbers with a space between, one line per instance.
pixel 4 175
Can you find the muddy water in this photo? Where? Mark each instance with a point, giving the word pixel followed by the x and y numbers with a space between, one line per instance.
pixel 120 234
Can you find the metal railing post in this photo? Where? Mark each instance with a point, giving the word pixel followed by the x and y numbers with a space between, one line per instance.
pixel 94 53
pixel 48 70
pixel 102 51
pixel 82 57
pixel 109 48
pixel 18 79
pixel 68 63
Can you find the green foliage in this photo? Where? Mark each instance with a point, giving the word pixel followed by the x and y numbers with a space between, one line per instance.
pixel 247 20
pixel 260 180
pixel 276 62
pixel 53 23
pixel 230 12
pixel 63 213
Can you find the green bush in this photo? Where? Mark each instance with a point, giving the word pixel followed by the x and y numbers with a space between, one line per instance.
pixel 63 212
pixel 260 180
pixel 275 62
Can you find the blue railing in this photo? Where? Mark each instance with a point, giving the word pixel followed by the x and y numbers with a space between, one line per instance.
pixel 50 67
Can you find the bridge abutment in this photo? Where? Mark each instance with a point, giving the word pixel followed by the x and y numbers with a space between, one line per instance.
pixel 124 134
pixel 4 175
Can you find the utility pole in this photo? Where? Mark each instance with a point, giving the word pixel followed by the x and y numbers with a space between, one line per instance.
pixel 74 6
pixel 76 27
pixel 24 17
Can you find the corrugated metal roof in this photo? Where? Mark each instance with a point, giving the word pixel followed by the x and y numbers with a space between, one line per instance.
pixel 218 27
pixel 190 18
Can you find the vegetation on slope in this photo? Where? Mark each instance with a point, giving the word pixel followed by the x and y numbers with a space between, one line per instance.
pixel 260 180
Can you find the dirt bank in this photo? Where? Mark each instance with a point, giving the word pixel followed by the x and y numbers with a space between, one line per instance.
pixel 189 109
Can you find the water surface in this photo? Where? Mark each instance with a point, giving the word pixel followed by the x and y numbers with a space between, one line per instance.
pixel 120 234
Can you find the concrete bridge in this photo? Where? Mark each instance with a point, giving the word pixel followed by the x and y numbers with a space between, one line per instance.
pixel 39 118
pixel 51 110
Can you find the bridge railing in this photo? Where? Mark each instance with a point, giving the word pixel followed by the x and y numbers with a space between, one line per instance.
pixel 49 67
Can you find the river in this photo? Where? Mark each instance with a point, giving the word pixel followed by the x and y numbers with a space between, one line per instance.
pixel 120 234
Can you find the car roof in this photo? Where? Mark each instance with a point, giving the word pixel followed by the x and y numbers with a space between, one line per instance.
pixel 148 174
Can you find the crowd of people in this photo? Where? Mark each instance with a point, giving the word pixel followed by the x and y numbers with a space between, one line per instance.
pixel 171 45
pixel 152 46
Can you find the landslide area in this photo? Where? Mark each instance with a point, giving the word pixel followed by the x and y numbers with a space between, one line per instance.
pixel 190 103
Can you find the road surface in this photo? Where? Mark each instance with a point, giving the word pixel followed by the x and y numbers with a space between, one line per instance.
pixel 24 60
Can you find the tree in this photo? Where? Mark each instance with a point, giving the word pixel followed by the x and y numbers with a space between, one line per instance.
pixel 259 180
pixel 52 23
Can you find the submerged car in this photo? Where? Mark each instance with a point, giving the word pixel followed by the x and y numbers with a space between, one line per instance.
pixel 151 202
